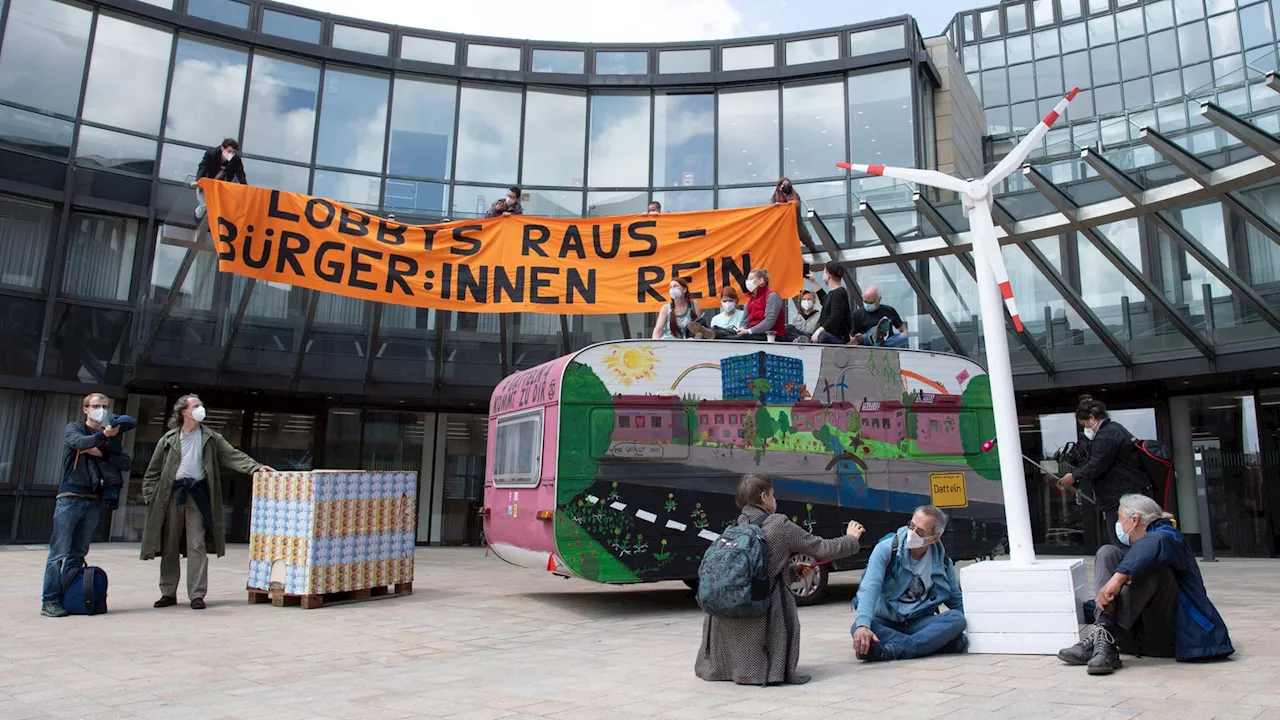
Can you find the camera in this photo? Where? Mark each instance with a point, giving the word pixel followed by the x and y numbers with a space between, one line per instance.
pixel 1074 454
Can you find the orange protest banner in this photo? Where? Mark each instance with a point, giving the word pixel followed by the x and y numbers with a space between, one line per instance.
pixel 512 263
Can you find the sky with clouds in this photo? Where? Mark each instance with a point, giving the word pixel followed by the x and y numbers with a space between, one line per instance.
pixel 640 21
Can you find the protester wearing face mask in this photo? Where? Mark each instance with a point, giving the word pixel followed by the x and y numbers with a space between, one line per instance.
pixel 764 309
pixel 876 323
pixel 220 163
pixel 784 192
pixel 908 577
pixel 508 204
pixel 731 317
pixel 1114 467
pixel 183 492
pixel 678 319
pixel 835 323
pixel 804 320
pixel 1151 601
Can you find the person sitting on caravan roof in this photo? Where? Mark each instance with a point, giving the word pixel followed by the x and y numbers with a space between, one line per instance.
pixel 677 319
pixel 764 309
pixel 804 319
pixel 727 322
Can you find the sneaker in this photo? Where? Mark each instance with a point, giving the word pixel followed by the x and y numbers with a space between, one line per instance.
pixel 197 604
pixel 1106 657
pixel 1079 653
pixel 53 609
pixel 875 653
pixel 959 646
pixel 881 333
pixel 166 601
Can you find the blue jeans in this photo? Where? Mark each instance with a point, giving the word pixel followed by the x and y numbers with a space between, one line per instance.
pixel 827 338
pixel 918 638
pixel 896 340
pixel 74 521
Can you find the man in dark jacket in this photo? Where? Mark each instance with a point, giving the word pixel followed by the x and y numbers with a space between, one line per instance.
pixel 836 319
pixel 508 204
pixel 220 163
pixel 876 323
pixel 1154 602
pixel 79 502
pixel 1113 469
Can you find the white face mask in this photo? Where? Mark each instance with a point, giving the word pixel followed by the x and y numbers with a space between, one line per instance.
pixel 198 414
pixel 752 284
pixel 806 304
pixel 98 415
pixel 677 293
pixel 228 155
pixel 914 541
pixel 728 306
pixel 1089 433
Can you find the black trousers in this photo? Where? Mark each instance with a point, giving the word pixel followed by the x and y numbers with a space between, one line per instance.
pixel 1143 618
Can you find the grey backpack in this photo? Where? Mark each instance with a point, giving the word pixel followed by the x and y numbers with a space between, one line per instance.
pixel 732 579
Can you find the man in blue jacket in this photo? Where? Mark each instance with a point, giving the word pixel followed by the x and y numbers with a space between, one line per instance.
pixel 907 579
pixel 1154 603
pixel 79 501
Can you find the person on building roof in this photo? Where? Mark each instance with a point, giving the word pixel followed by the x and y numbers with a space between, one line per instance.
pixel 219 163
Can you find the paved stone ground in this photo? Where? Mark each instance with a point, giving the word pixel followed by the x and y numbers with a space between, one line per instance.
pixel 480 639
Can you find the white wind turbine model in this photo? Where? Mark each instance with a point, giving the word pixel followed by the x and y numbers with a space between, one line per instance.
pixel 976 195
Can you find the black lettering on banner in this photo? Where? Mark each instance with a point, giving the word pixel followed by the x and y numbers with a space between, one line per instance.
pixel 729 266
pixel 617 241
pixel 573 281
pixel 429 238
pixel 711 278
pixel 353 280
pixel 678 271
pixel 355 225
pixel 469 282
pixel 446 280
pixel 649 276
pixel 396 276
pixel 686 234
pixel 472 243
pixel 310 212
pixel 502 283
pixel 227 233
pixel 273 209
pixel 650 240
pixel 537 282
pixel 334 269
pixel 289 251
pixel 391 233
pixel 530 244
pixel 572 243
pixel 248 248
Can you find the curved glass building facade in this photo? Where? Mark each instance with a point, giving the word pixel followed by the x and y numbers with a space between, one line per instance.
pixel 106 107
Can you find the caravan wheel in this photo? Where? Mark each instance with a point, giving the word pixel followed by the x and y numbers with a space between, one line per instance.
pixel 812 589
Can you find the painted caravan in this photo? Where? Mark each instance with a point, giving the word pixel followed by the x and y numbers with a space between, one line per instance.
pixel 619 463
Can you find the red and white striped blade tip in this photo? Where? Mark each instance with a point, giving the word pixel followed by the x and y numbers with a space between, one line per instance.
pixel 869 169
pixel 1017 322
pixel 1060 108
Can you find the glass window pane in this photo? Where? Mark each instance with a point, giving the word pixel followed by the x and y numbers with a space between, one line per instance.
pixel 118 151
pixel 747 57
pixel 1224 35
pixel 814 50
pixel 969 35
pixel 989 20
pixel 610 62
pixel 1188 10
pixel 1073 37
pixel 992 54
pixel 685 200
pixel 423 200
pixel 684 61
pixel 604 204
pixel 227 12
pixel 1075 71
pixel 1046 43
pixel 353 120
pixel 969 57
pixel 1133 58
pixel 282 24
pixel 995 88
pixel 553 203
pixel 1099 6
pixel 1256 23
pixel 1129 23
pixel 374 42
pixel 684 128
pixel 1070 9
pixel 1043 11
pixel 1018 49
pixel 1022 85
pixel 1159 15
pixel 1015 18
pixel 1164 51
pixel 865 42
pixel 555 138
pixel 572 62
pixel 1220 6
pixel 1137 93
pixel 207 91
pixel 1049 78
pixel 473 201
pixel 99 256
pixel 1193 44
pixel 881 126
pixel 1105 68
pixel 1102 30
pixel 1106 100
pixel 34 131
pixel 489 135
pixel 1166 86
pixel 1196 78
pixel 1024 116
pixel 619 141
pixel 179 162
pixel 427 50
pixel 282 108
pixel 24 241
pixel 362 191
pixel 277 176
pixel 421 128
pixel 813 130
pixel 493 57
pixel 42 59
pixel 748 133
pixel 127 73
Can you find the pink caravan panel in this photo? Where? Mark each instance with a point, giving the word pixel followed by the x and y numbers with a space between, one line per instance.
pixel 512 527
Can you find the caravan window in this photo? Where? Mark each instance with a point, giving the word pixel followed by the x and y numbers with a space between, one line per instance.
pixel 517 450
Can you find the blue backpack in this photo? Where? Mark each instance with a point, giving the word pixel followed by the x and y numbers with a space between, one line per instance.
pixel 732 579
pixel 84 591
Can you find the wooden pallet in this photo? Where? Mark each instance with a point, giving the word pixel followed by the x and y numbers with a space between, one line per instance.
pixel 279 598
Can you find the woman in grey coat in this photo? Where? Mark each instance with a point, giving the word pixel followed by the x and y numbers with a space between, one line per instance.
pixel 764 650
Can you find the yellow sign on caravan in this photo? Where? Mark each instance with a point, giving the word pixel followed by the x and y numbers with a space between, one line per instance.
pixel 947 490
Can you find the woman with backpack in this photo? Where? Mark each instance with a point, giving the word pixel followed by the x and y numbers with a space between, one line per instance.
pixel 1114 468
pixel 764 649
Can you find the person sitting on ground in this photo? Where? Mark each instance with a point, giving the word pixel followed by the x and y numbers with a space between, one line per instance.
pixel 727 322
pixel 908 577
pixel 1151 601
pixel 655 208
pixel 677 319
pixel 876 323
pixel 764 309
pixel 835 323
pixel 219 163
pixel 508 204
pixel 765 650
pixel 804 319
pixel 1113 468
pixel 784 192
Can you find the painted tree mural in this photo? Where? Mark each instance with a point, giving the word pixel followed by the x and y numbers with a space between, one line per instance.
pixel 978 425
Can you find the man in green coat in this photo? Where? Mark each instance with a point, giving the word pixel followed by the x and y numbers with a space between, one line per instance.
pixel 183 492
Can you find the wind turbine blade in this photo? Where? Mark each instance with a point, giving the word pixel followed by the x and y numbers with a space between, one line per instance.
pixel 1019 154
pixel 932 178
pixel 983 237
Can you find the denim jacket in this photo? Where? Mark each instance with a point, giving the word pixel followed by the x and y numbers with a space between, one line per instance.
pixel 886 578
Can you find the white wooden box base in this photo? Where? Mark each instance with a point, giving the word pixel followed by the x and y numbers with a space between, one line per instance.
pixel 1024 609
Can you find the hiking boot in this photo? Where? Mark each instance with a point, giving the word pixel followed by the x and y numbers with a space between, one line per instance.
pixel 875 653
pixel 959 646
pixel 166 601
pixel 53 609
pixel 1079 653
pixel 1106 657
pixel 881 333
pixel 197 604
pixel 700 331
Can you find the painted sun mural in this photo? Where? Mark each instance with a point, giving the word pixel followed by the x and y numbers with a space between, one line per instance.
pixel 632 363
